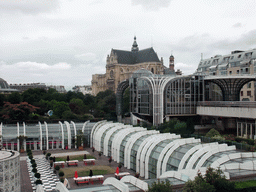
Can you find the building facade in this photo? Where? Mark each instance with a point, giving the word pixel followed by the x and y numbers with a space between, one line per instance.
pixel 85 89
pixel 9 171
pixel 235 64
pixel 121 64
pixel 25 86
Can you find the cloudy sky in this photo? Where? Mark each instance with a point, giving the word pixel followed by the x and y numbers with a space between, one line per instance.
pixel 64 42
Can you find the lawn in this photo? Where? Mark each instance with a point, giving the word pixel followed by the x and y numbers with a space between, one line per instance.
pixel 245 184
pixel 84 171
pixel 74 157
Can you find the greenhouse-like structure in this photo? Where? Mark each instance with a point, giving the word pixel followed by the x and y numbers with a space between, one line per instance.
pixel 156 155
pixel 44 136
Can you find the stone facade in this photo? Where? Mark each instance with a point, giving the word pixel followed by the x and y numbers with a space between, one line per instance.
pixel 9 171
pixel 121 64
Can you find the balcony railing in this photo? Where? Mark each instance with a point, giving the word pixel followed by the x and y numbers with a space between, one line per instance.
pixel 249 104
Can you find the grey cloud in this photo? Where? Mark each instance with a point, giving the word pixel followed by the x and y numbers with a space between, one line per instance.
pixel 152 4
pixel 237 25
pixel 28 6
pixel 246 41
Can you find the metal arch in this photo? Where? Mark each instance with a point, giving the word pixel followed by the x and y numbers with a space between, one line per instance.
pixel 221 148
pixel 119 96
pixel 231 87
pixel 130 143
pixel 18 134
pixel 85 125
pixel 94 129
pixel 157 86
pixel 47 136
pixel 74 125
pixel 62 135
pixel 69 133
pixel 41 135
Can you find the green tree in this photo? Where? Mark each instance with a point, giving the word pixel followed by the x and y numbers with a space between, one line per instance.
pixel 212 181
pixel 59 108
pixel 2 100
pixel 33 96
pixel 180 128
pixel 190 126
pixel 126 101
pixel 163 186
pixel 19 111
pixel 77 106
pixel 14 98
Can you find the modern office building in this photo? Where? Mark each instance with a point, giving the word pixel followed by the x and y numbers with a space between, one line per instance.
pixel 221 92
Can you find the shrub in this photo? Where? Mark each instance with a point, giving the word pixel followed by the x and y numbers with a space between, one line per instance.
pixel 57 168
pixel 29 151
pixel 38 181
pixel 61 173
pixel 30 156
pixel 32 161
pixel 48 154
pixel 34 165
pixel 34 170
pixel 37 175
pixel 160 186
pixel 51 158
pixel 62 180
pixel 213 132
pixel 213 180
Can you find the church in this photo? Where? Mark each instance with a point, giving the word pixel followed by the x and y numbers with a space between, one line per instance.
pixel 121 64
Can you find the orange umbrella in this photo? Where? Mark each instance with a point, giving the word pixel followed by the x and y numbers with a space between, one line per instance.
pixel 76 175
pixel 117 170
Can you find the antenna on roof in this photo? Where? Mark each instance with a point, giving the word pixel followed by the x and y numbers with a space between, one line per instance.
pixel 151 41
pixel 201 56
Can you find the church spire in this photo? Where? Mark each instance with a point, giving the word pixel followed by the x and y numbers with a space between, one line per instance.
pixel 135 47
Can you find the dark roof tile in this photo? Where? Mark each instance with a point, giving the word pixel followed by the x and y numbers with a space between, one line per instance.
pixel 129 57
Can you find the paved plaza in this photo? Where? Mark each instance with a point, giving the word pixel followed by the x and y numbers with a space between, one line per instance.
pixel 49 179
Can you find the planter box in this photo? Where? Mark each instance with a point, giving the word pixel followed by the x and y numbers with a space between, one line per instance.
pixel 80 147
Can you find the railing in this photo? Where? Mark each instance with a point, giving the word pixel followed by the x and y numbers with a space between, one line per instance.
pixel 240 146
pixel 249 104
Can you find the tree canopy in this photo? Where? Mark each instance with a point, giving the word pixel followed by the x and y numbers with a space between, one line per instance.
pixel 35 103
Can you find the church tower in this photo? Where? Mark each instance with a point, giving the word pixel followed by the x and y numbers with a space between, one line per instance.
pixel 171 63
pixel 135 47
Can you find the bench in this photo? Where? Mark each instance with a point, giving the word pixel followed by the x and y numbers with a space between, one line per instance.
pixel 88 179
pixel 89 161
pixel 73 162
pixel 59 163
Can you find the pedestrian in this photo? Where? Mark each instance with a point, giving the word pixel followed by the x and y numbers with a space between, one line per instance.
pixel 91 174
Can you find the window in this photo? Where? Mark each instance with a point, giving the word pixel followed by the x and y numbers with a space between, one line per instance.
pixel 248 93
pixel 239 56
pixel 230 72
pixel 152 70
pixel 249 85
pixel 242 93
pixel 232 57
pixel 237 71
